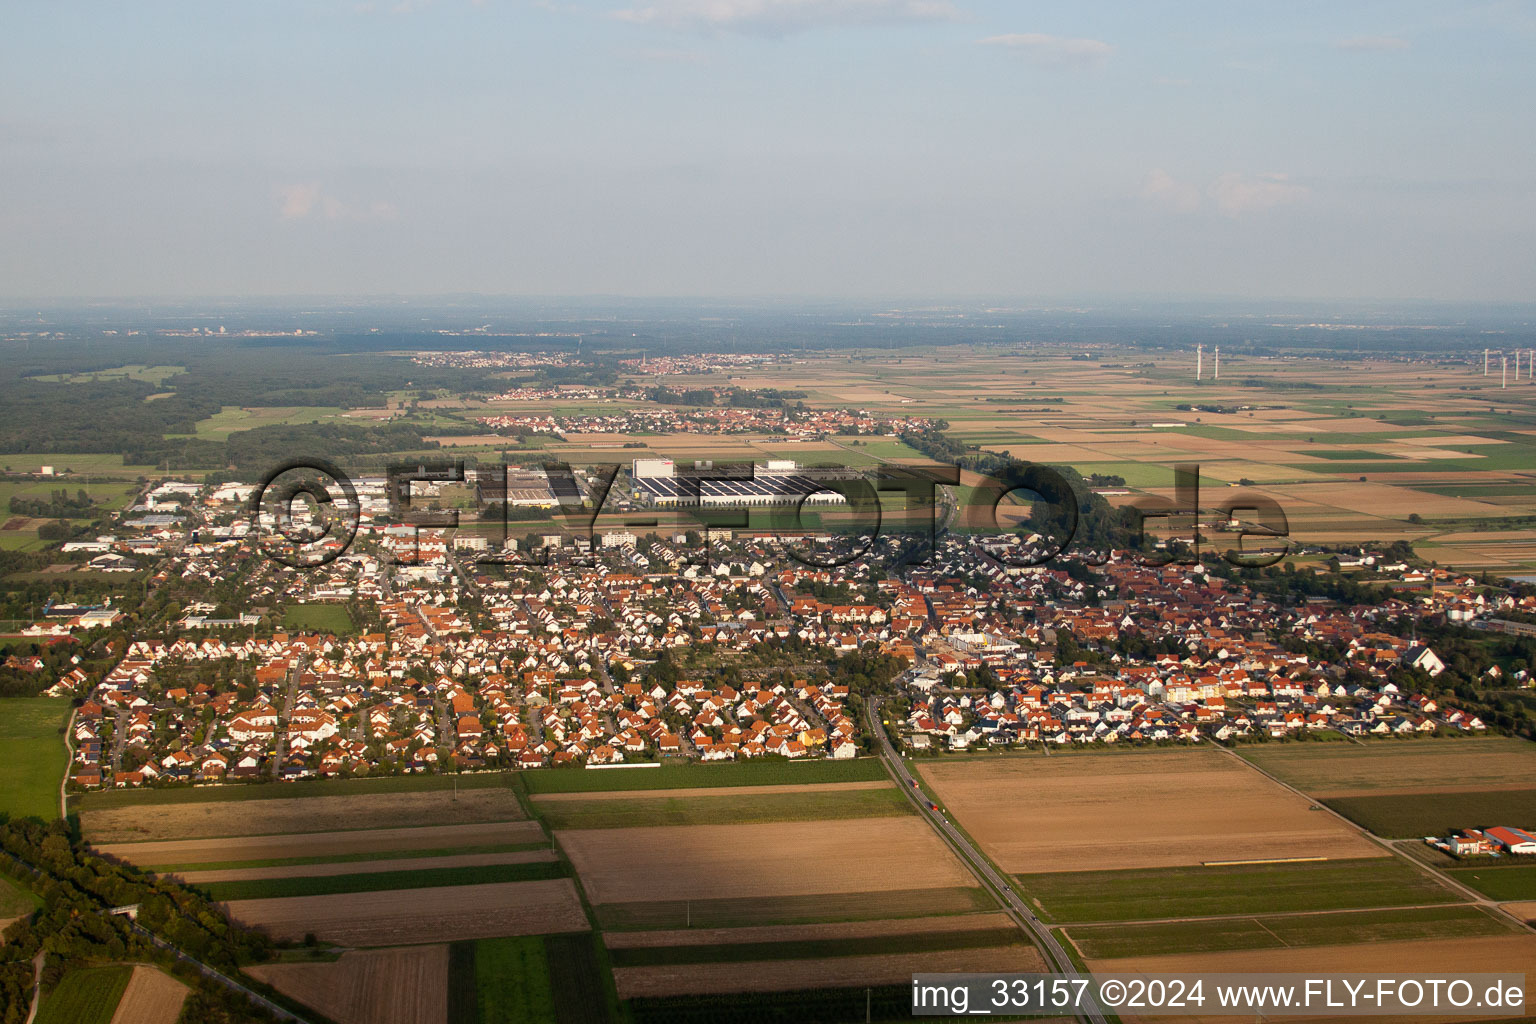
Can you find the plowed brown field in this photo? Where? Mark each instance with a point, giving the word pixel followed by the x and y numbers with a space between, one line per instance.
pixel 375 986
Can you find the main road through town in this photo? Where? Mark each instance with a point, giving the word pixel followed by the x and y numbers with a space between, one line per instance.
pixel 979 866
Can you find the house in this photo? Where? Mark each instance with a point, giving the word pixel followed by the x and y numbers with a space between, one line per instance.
pixel 1513 840
pixel 1420 657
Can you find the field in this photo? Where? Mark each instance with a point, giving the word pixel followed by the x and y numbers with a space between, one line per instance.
pixel 376 881
pixel 313 813
pixel 769 860
pixel 15 902
pixel 32 749
pixel 743 808
pixel 727 951
pixel 1424 766
pixel 117 799
pixel 319 618
pixel 818 932
pixel 1098 942
pixel 320 844
pixel 417 915
pixel 511 981
pixel 1501 883
pixel 152 997
pixel 375 986
pixel 1085 896
pixel 734 913
pixel 1425 957
pixel 85 996
pixel 1132 810
pixel 772 975
pixel 1406 815
pixel 360 867
pixel 694 776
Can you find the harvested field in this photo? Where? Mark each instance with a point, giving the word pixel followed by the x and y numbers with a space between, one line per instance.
pixel 298 814
pixel 1133 810
pixel 1524 911
pixel 1431 958
pixel 785 975
pixel 371 867
pixel 795 932
pixel 152 997
pixel 736 791
pixel 792 858
pixel 1380 768
pixel 641 809
pixel 320 844
pixel 889 904
pixel 410 915
pixel 375 986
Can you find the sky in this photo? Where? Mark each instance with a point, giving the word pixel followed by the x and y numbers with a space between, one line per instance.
pixel 902 149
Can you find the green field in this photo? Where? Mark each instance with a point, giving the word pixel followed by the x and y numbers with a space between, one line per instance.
pixel 1501 883
pixel 723 810
pixel 231 418
pixel 1467 763
pixel 1106 941
pixel 134 371
pixel 95 464
pixel 1406 815
pixel 32 751
pixel 287 790
pixel 87 996
pixel 740 911
pixel 814 949
pixel 16 900
pixel 1081 896
pixel 319 618
pixel 345 858
pixel 698 776
pixel 511 978
pixel 430 878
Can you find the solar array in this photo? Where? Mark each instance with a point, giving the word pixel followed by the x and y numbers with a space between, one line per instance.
pixel 763 489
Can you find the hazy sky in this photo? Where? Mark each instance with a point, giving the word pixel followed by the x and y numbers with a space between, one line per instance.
pixel 915 148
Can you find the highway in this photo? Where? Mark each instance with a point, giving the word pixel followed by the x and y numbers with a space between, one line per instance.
pixel 979 866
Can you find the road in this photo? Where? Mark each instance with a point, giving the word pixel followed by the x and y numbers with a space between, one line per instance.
pixel 979 866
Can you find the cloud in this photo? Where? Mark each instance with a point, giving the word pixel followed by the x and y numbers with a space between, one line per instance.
pixel 1373 44
pixel 1054 51
pixel 1236 194
pixel 305 200
pixel 298 201
pixel 1162 187
pixel 781 17
pixel 1233 194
